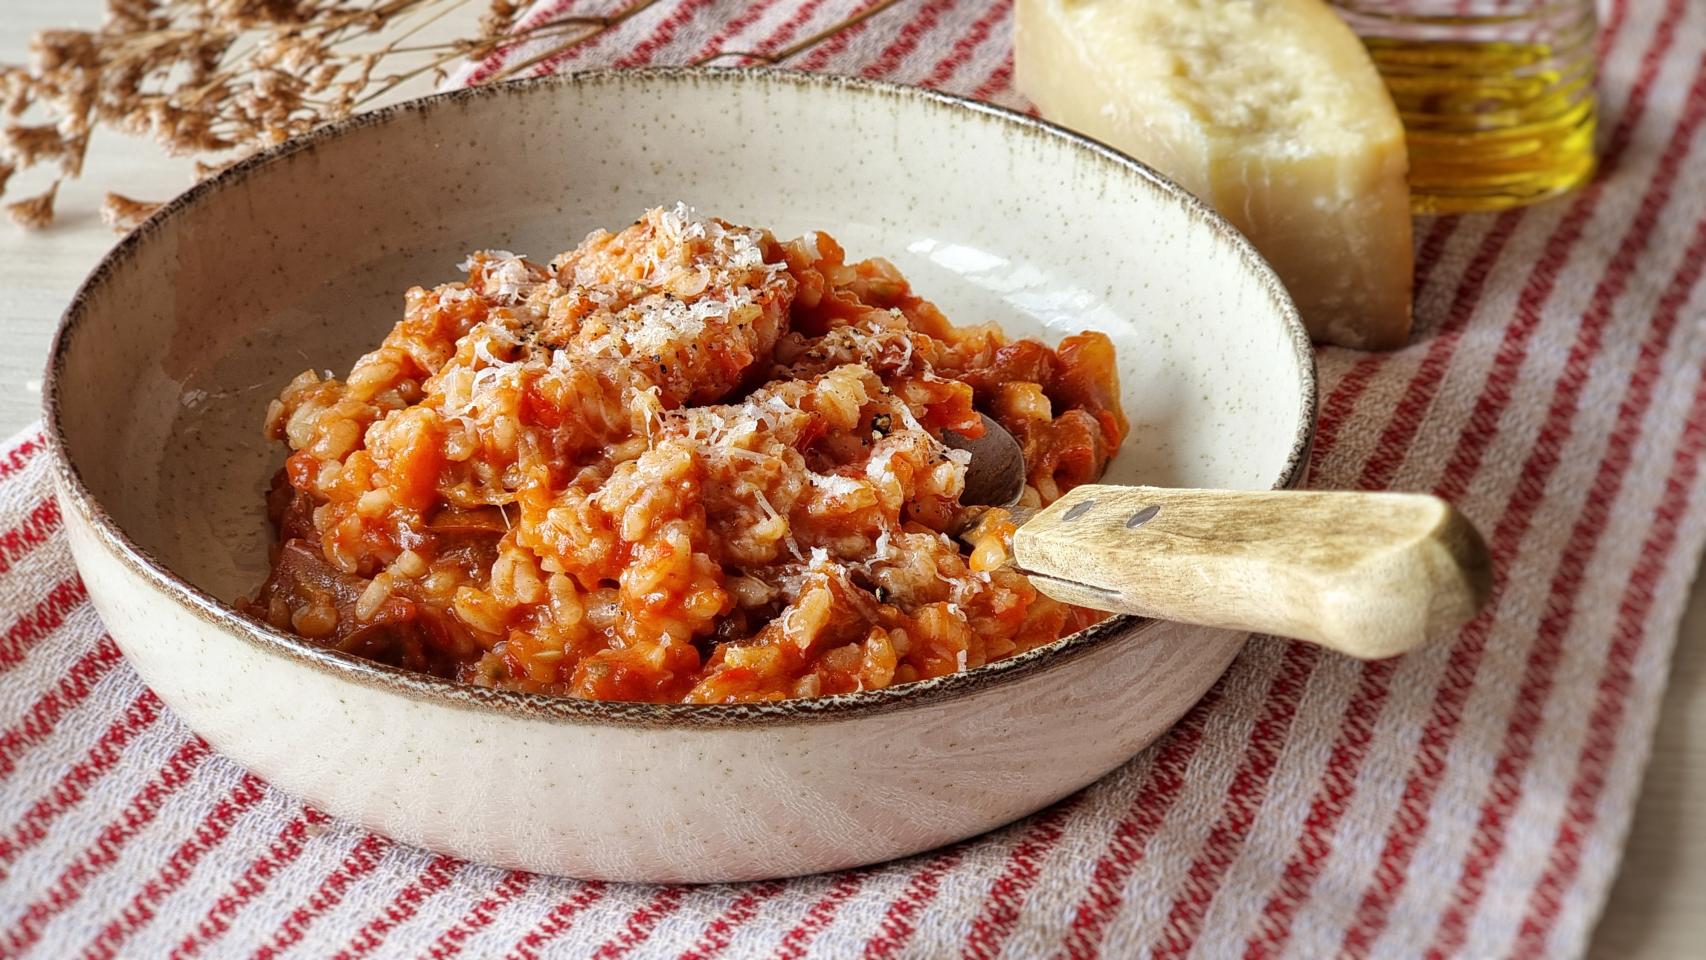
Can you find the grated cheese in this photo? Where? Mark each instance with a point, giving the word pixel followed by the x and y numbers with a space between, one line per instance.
pixel 512 278
pixel 883 549
pixel 881 466
pixel 481 385
pixel 745 454
pixel 472 260
pixel 658 323
pixel 677 222
pixel 834 484
pixel 744 252
pixel 764 502
pixel 907 417
pixel 483 344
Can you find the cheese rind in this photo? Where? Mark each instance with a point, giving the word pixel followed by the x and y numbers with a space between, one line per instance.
pixel 1269 110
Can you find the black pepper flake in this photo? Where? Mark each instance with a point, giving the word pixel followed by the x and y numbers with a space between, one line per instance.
pixel 882 425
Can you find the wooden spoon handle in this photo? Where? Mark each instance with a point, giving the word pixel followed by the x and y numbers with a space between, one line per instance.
pixel 1367 574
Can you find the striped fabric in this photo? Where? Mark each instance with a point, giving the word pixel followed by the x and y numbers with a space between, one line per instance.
pixel 1466 801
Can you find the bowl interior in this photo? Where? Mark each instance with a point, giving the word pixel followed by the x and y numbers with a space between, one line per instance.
pixel 176 345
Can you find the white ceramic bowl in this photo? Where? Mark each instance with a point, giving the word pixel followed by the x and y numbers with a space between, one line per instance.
pixel 166 359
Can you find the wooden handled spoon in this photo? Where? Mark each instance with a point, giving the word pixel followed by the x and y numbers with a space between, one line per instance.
pixel 1366 574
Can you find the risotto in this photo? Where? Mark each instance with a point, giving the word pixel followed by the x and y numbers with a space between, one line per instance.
pixel 681 462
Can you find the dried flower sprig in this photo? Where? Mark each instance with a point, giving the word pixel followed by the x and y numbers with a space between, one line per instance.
pixel 123 213
pixel 217 80
pixel 35 212
pixel 214 79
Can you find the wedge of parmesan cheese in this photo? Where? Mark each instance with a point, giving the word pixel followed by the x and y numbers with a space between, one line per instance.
pixel 1269 110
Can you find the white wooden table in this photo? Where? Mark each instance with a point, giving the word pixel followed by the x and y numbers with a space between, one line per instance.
pixel 1657 910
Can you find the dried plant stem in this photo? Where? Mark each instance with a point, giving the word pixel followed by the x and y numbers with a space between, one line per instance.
pixel 553 29
pixel 396 80
pixel 605 24
pixel 395 44
pixel 217 80
pixel 795 49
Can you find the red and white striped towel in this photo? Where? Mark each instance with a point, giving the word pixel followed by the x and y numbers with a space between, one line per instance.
pixel 1469 800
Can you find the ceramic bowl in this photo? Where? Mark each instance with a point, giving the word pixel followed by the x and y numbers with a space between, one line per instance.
pixel 166 359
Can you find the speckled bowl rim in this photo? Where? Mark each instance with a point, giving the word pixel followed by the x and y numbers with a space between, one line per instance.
pixel 568 709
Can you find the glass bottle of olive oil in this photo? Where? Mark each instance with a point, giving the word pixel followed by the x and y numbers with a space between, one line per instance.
pixel 1497 96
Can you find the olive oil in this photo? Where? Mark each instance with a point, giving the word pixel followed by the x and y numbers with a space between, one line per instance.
pixel 1491 123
